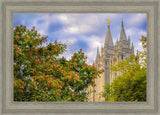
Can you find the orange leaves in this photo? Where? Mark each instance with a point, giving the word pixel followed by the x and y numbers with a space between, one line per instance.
pixel 69 64
pixel 49 60
pixel 76 78
pixel 49 73
pixel 58 93
pixel 35 78
pixel 47 70
pixel 15 84
pixel 50 84
pixel 32 71
pixel 15 46
pixel 17 27
pixel 47 76
pixel 20 81
pixel 72 94
pixel 37 61
pixel 17 37
pixel 40 72
pixel 29 39
pixel 75 54
pixel 43 74
pixel 40 80
pixel 56 50
pixel 60 87
pixel 22 87
pixel 31 87
pixel 65 68
pixel 58 80
pixel 69 78
pixel 86 65
pixel 75 63
pixel 19 51
pixel 81 50
pixel 94 76
pixel 53 65
pixel 71 72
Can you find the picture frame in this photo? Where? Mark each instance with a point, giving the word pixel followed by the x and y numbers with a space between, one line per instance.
pixel 150 7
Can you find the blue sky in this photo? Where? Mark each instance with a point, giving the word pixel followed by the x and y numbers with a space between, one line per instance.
pixel 86 31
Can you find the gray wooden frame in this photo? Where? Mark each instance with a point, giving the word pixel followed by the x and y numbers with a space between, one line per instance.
pixel 8 7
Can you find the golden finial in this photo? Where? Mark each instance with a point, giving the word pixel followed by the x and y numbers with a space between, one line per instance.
pixel 108 21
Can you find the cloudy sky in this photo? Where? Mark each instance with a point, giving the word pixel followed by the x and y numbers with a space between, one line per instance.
pixel 86 31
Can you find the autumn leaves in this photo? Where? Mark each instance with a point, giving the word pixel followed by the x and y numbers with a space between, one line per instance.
pixel 40 76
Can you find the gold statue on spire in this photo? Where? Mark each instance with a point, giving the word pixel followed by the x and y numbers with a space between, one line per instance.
pixel 108 21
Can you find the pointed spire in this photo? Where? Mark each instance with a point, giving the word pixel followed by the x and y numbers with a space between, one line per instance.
pixel 117 40
pixel 101 50
pixel 132 48
pixel 108 21
pixel 122 34
pixel 97 56
pixel 122 22
pixel 108 40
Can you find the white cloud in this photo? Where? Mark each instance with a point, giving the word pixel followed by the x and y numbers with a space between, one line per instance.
pixel 93 43
pixel 136 19
pixel 83 23
pixel 75 28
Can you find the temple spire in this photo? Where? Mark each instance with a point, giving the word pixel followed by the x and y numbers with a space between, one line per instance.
pixel 97 56
pixel 108 21
pixel 122 34
pixel 122 23
pixel 108 40
pixel 132 48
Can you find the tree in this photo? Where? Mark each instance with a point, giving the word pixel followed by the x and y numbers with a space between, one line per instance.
pixel 39 75
pixel 131 84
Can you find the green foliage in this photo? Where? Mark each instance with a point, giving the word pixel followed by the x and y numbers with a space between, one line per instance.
pixel 40 76
pixel 131 84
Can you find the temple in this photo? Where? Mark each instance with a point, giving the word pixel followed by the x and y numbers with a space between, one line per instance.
pixel 110 53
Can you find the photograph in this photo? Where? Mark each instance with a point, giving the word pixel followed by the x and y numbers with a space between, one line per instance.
pixel 80 57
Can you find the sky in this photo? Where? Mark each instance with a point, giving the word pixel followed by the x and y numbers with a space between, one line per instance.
pixel 86 31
